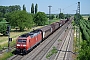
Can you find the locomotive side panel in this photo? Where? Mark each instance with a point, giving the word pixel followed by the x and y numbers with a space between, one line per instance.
pixel 32 42
pixel 39 37
pixel 28 44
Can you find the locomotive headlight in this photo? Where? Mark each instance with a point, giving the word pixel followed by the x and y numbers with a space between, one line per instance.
pixel 18 44
pixel 24 45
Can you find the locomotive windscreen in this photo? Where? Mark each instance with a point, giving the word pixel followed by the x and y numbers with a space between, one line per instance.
pixel 21 41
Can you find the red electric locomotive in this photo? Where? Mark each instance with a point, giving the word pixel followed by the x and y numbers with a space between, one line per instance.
pixel 26 41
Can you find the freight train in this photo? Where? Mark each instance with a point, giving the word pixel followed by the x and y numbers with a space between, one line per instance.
pixel 27 41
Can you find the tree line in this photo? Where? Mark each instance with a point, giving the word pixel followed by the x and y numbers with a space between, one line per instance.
pixel 8 9
pixel 21 18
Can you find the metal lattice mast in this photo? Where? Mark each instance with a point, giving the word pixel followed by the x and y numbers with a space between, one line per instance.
pixel 78 8
pixel 78 11
pixel 49 12
pixel 60 10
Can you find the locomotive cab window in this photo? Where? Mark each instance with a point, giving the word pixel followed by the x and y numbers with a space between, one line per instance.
pixel 21 41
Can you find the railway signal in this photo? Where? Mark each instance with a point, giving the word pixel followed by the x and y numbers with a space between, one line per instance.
pixel 8 33
pixel 8 29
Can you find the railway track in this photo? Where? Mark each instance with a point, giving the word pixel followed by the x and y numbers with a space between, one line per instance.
pixel 64 49
pixel 38 53
pixel 16 57
pixel 57 44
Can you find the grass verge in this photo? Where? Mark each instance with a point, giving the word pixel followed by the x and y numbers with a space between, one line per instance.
pixel 50 53
pixel 59 40
pixel 3 46
pixel 6 55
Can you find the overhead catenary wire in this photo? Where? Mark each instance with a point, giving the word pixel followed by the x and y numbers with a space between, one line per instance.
pixel 70 5
pixel 60 9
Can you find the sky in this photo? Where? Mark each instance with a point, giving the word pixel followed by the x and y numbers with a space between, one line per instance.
pixel 67 6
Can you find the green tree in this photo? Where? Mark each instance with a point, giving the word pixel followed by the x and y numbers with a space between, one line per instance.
pixel 2 9
pixel 13 8
pixel 77 18
pixel 84 53
pixel 67 16
pixel 36 8
pixel 32 8
pixel 52 16
pixel 89 18
pixel 1 14
pixel 61 16
pixel 20 19
pixel 24 8
pixel 57 16
pixel 40 18
pixel 3 27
